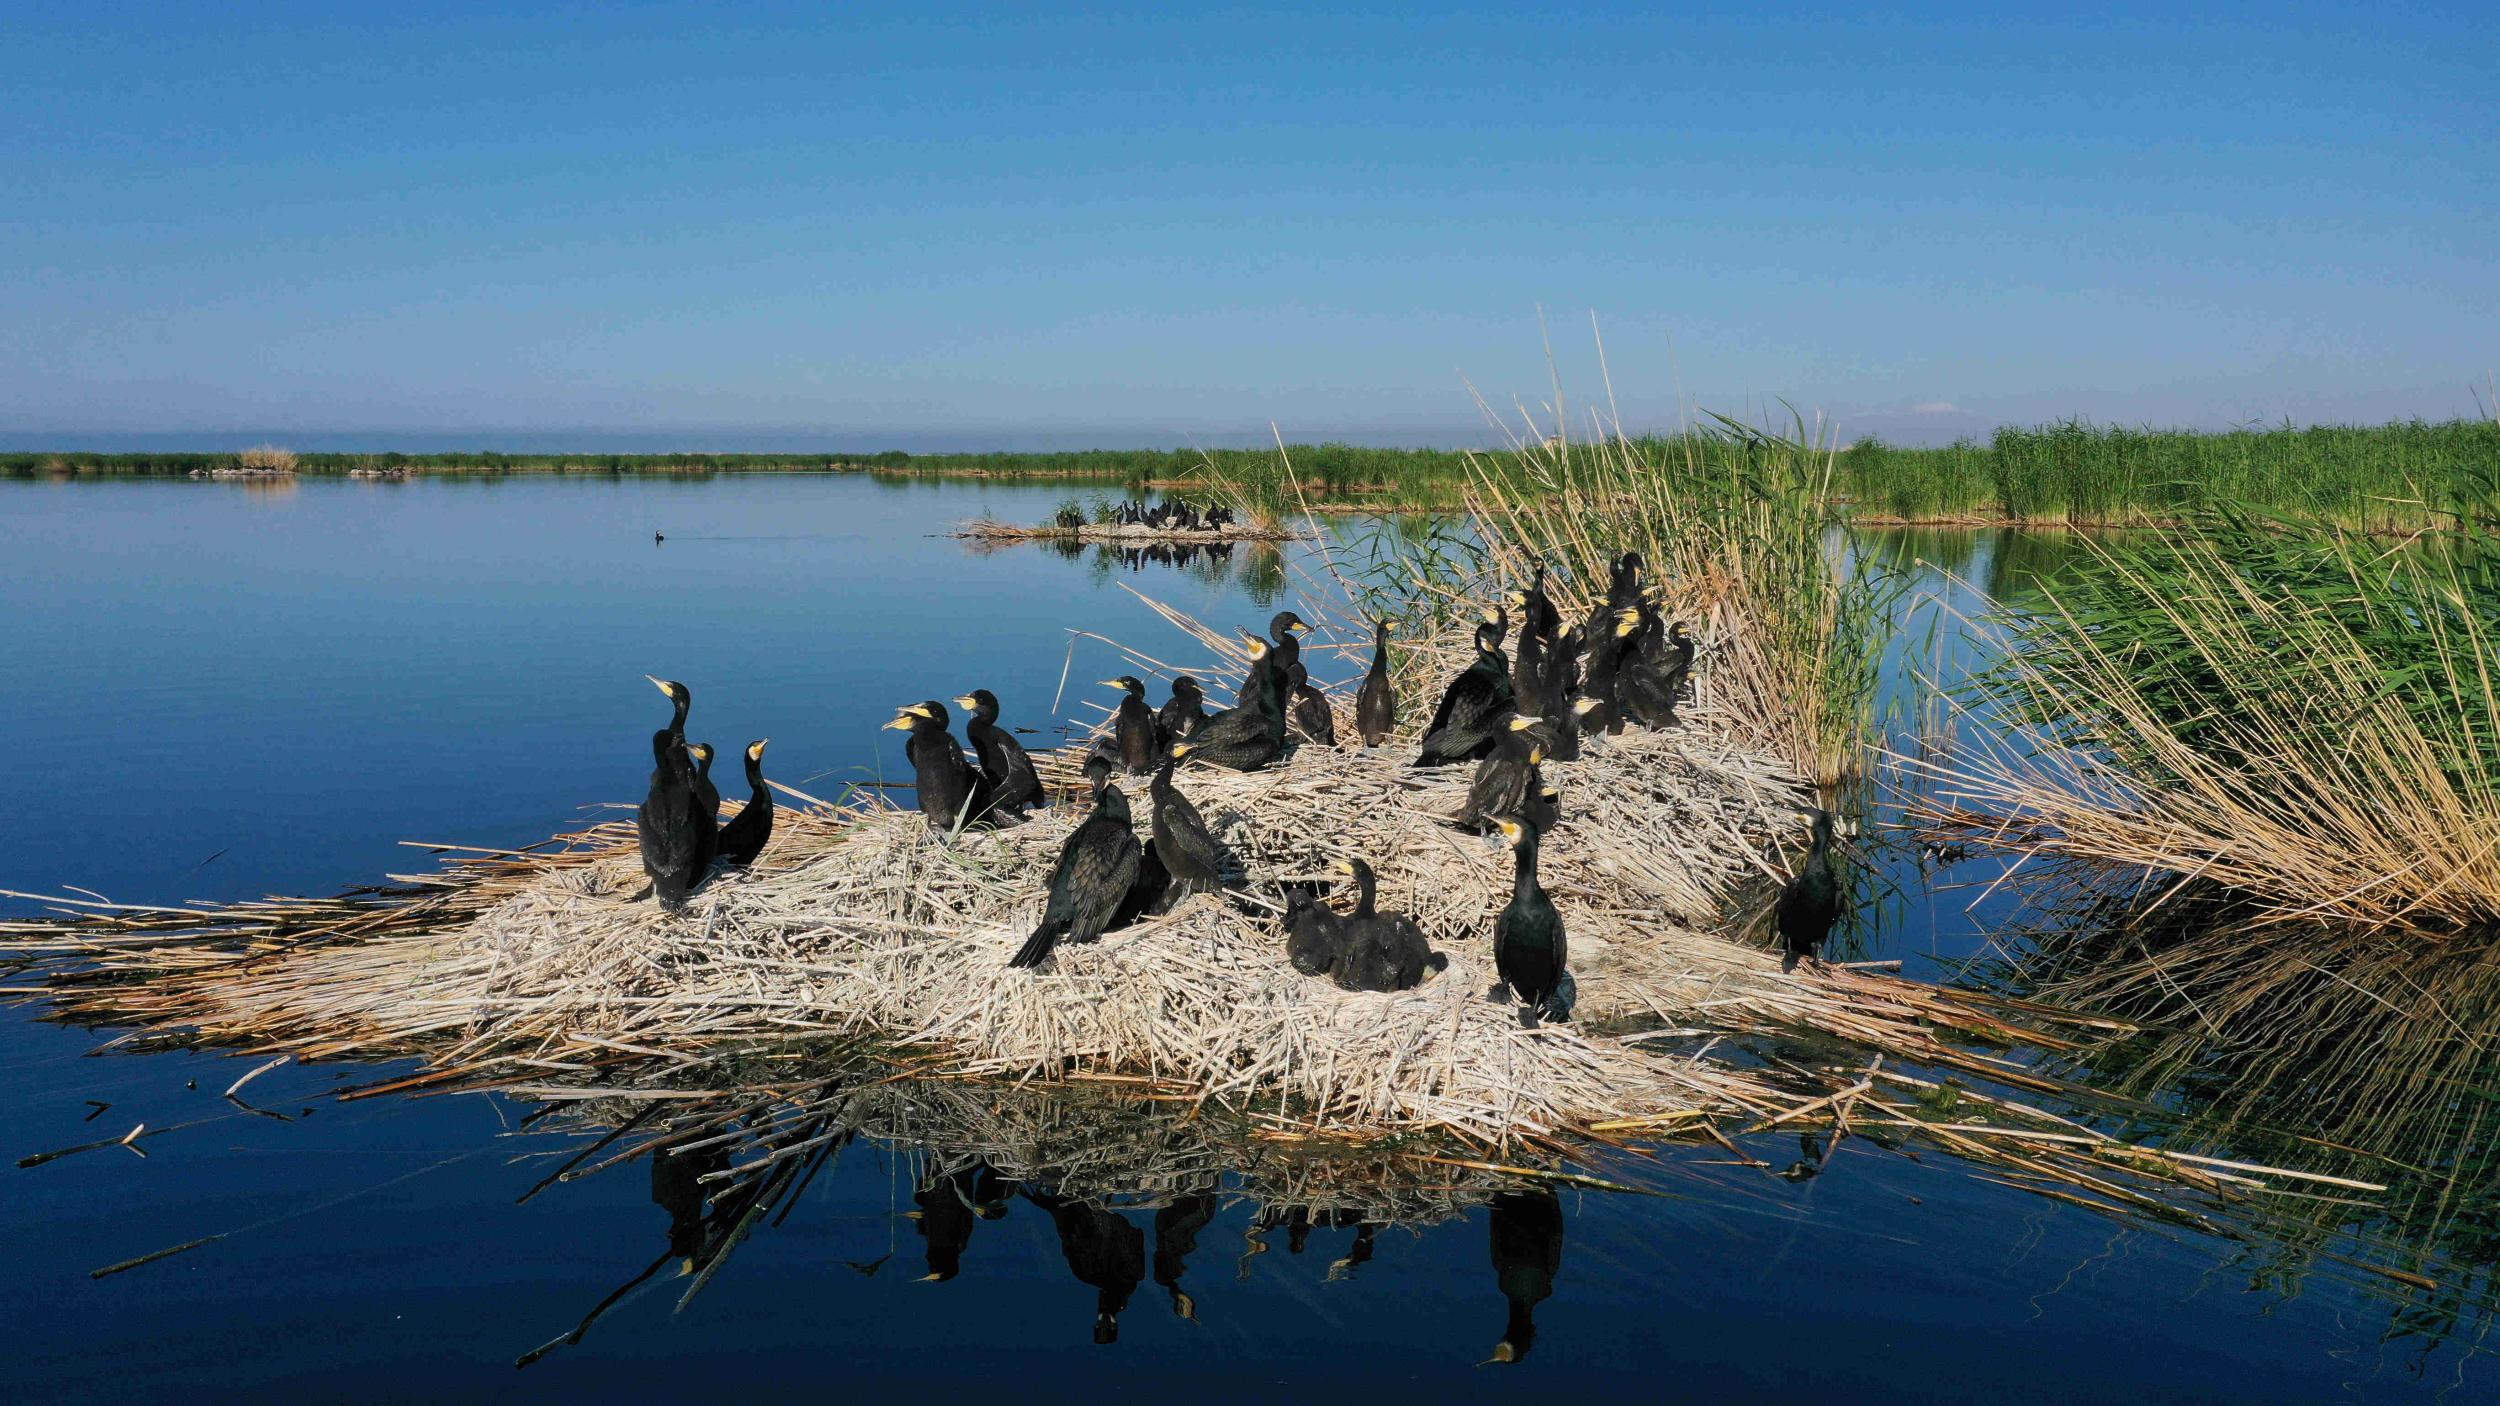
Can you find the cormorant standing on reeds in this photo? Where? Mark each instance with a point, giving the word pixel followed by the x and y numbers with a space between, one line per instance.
pixel 1013 784
pixel 1251 733
pixel 1505 781
pixel 1379 951
pixel 1561 708
pixel 1187 709
pixel 1311 931
pixel 747 832
pixel 1103 1249
pixel 1189 853
pixel 1312 716
pixel 1527 1254
pixel 1810 903
pixel 1376 706
pixel 1097 865
pixel 676 835
pixel 1465 725
pixel 1284 631
pixel 1529 947
pixel 1133 726
pixel 951 794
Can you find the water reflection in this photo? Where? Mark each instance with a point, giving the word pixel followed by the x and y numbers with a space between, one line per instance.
pixel 1254 568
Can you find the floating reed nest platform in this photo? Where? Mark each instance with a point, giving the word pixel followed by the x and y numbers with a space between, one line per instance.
pixel 1126 534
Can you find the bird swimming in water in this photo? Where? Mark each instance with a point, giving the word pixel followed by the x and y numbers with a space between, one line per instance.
pixel 747 832
pixel 1472 707
pixel 1379 951
pixel 1505 781
pixel 676 835
pixel 1376 706
pixel 1189 853
pixel 1188 708
pixel 1097 865
pixel 1312 716
pixel 1133 726
pixel 656 539
pixel 1810 902
pixel 1013 783
pixel 1529 947
pixel 952 795
pixel 1251 733
pixel 1527 1254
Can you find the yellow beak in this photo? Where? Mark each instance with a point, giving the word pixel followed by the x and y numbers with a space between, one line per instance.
pixel 967 701
pixel 901 723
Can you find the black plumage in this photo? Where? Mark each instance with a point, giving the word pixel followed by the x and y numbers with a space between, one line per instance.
pixel 1189 853
pixel 1506 781
pixel 1097 864
pixel 1311 932
pixel 1379 951
pixel 1527 1239
pixel 948 1209
pixel 1810 902
pixel 1559 701
pixel 1529 947
pixel 1472 707
pixel 1013 784
pixel 1376 705
pixel 1251 733
pixel 951 793
pixel 1601 683
pixel 1176 1235
pixel 1284 631
pixel 1187 709
pixel 1133 729
pixel 1103 1249
pixel 746 834
pixel 676 835
pixel 1311 715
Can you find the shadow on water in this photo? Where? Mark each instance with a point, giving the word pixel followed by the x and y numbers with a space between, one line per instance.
pixel 1255 569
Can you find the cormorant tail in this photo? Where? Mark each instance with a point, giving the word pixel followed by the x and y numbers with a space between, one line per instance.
pixel 1037 946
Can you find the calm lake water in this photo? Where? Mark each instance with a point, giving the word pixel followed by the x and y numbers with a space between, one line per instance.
pixel 215 691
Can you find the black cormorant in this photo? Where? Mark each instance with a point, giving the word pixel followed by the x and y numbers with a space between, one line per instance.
pixel 1103 1249
pixel 1133 726
pixel 675 836
pixel 1379 951
pixel 1505 781
pixel 1376 706
pixel 1465 725
pixel 1189 852
pixel 1810 903
pixel 1527 1254
pixel 1312 716
pixel 1096 866
pixel 952 795
pixel 1608 633
pixel 1013 784
pixel 1250 734
pixel 706 794
pixel 1560 696
pixel 746 834
pixel 1284 630
pixel 1529 950
pixel 1188 708
pixel 1311 931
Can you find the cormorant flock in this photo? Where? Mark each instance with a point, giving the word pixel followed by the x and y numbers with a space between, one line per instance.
pixel 1622 666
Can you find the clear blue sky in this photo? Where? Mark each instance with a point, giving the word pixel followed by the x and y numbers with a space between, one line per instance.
pixel 997 225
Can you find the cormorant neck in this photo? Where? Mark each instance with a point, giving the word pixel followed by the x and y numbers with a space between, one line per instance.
pixel 1523 861
pixel 1366 884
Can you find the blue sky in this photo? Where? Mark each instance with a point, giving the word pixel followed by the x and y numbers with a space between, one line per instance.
pixel 987 225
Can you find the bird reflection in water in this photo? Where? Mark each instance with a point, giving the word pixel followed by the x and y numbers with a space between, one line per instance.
pixel 1527 1254
pixel 1104 1249
pixel 949 1207
pixel 677 1187
pixel 1176 1234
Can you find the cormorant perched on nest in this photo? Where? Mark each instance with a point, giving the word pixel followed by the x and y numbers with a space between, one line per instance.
pixel 1133 726
pixel 1096 866
pixel 1505 781
pixel 1013 784
pixel 1608 636
pixel 1188 708
pixel 1559 706
pixel 1312 931
pixel 951 793
pixel 1312 716
pixel 1464 726
pixel 744 837
pixel 676 835
pixel 1189 853
pixel 1529 948
pixel 1251 733
pixel 1376 706
pixel 1284 630
pixel 1379 951
pixel 1810 903
pixel 1527 1254
pixel 706 794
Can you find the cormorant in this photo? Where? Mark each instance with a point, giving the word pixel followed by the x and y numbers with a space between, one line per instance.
pixel 951 794
pixel 656 538
pixel 746 834
pixel 1251 733
pixel 1188 708
pixel 1608 632
pixel 1096 867
pixel 1562 681
pixel 1376 706
pixel 1284 630
pixel 1379 951
pixel 1189 853
pixel 1529 949
pixel 1176 1235
pixel 1147 892
pixel 706 794
pixel 1013 784
pixel 1505 781
pixel 1464 726
pixel 1538 619
pixel 1312 716
pixel 1103 1249
pixel 1527 1254
pixel 1810 903
pixel 1680 650
pixel 1311 931
pixel 1133 726
pixel 676 835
